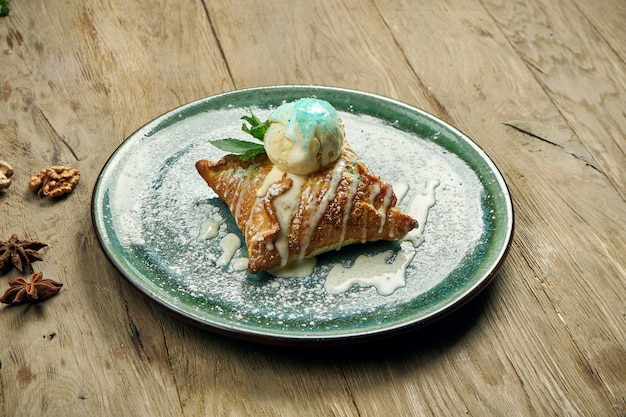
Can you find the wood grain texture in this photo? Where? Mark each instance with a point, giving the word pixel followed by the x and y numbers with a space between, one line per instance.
pixel 582 75
pixel 539 85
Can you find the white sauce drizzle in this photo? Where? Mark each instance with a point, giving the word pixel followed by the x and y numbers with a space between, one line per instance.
pixel 229 244
pixel 275 175
pixel 371 270
pixel 238 201
pixel 240 264
pixel 236 205
pixel 375 192
pixel 400 189
pixel 286 205
pixel 317 211
pixel 382 211
pixel 418 209
pixel 354 186
pixel 295 269
pixel 209 229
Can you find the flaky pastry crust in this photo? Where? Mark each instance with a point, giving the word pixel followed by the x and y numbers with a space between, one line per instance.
pixel 339 205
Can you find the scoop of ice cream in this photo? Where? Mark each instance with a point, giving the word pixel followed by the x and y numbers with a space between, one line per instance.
pixel 304 136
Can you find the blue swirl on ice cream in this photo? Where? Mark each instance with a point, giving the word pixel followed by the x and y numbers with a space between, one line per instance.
pixel 304 136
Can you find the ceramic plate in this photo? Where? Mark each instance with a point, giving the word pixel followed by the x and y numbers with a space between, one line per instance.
pixel 150 205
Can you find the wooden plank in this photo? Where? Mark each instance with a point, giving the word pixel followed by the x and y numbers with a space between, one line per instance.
pixel 581 73
pixel 72 89
pixel 607 18
pixel 546 338
pixel 317 44
pixel 553 188
pixel 219 376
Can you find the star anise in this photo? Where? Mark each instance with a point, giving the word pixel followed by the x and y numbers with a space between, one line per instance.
pixel 17 253
pixel 34 291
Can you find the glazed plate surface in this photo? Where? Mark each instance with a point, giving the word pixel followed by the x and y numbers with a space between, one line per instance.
pixel 149 207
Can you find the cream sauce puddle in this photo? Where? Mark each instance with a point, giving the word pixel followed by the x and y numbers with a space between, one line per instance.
pixel 371 271
pixel 229 244
pixel 376 270
pixel 418 208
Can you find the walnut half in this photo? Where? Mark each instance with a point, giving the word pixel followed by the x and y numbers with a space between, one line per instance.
pixel 54 181
pixel 6 172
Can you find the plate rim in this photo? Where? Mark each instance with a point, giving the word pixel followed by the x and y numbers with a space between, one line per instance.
pixel 251 333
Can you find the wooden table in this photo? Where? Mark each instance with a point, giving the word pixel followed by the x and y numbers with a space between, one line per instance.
pixel 540 85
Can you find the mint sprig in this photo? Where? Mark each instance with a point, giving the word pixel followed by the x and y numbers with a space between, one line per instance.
pixel 257 127
pixel 244 148
pixel 4 8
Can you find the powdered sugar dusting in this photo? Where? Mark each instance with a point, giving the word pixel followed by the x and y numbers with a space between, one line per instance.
pixel 159 203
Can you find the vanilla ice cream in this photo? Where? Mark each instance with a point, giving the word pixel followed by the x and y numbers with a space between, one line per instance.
pixel 304 136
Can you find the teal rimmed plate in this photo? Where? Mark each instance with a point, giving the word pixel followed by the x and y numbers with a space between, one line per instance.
pixel 149 206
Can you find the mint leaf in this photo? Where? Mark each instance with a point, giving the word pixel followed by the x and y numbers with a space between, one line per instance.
pixel 4 8
pixel 244 148
pixel 257 128
pixel 237 146
pixel 248 155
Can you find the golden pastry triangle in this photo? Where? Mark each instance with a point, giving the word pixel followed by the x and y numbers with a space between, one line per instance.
pixel 286 217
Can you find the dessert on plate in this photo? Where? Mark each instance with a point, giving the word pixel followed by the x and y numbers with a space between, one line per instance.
pixel 303 191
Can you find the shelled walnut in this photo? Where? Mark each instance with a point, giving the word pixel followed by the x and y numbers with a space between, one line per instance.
pixel 54 181
pixel 6 172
